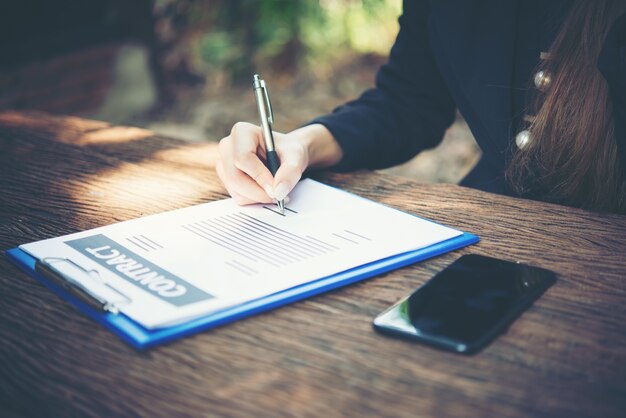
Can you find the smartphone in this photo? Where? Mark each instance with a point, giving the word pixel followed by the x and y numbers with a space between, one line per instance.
pixel 466 305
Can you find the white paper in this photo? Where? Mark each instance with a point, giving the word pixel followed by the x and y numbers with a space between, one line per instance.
pixel 215 255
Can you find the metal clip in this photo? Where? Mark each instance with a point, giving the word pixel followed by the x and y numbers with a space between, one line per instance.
pixel 268 103
pixel 86 284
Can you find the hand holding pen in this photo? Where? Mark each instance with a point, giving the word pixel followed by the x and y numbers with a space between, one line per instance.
pixel 248 180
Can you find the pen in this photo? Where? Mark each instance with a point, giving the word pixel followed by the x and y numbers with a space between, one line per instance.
pixel 267 118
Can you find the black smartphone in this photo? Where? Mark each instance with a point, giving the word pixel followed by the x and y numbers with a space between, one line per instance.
pixel 466 305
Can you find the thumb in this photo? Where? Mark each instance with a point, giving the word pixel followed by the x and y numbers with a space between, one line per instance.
pixel 286 179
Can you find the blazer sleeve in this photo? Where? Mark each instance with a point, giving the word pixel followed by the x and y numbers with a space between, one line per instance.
pixel 408 110
pixel 612 65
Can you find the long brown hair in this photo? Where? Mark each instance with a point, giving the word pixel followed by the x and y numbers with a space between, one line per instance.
pixel 572 157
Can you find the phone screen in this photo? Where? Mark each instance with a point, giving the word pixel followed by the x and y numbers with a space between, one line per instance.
pixel 467 304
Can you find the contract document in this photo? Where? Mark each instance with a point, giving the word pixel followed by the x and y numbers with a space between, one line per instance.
pixel 176 266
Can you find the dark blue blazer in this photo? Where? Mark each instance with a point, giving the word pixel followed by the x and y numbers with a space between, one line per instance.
pixel 453 54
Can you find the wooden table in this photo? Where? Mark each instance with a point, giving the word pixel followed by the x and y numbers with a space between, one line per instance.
pixel 565 356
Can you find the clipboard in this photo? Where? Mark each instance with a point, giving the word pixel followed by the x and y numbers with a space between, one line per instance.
pixel 102 305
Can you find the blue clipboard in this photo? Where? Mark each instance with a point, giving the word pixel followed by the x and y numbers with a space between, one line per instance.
pixel 142 338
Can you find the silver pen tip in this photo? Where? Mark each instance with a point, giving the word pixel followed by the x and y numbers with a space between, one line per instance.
pixel 281 206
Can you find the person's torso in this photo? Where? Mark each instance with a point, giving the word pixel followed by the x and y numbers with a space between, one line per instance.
pixel 488 52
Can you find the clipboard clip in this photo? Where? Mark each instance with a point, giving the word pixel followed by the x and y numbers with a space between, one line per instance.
pixel 86 284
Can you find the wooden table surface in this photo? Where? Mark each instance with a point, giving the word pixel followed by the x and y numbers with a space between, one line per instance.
pixel 565 356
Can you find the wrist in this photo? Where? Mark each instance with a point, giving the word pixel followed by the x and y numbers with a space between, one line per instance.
pixel 320 145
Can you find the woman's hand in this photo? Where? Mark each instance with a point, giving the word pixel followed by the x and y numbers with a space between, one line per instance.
pixel 246 177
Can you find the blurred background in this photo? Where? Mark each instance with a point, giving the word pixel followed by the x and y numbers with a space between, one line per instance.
pixel 182 68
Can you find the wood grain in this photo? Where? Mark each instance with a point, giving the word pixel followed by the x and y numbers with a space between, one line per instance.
pixel 564 357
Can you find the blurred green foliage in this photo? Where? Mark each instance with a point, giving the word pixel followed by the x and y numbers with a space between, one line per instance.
pixel 241 36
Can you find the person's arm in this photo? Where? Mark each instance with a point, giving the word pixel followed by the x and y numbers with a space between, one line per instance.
pixel 409 109
pixel 612 65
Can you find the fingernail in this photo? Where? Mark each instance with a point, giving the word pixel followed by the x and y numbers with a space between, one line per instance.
pixel 269 191
pixel 280 191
